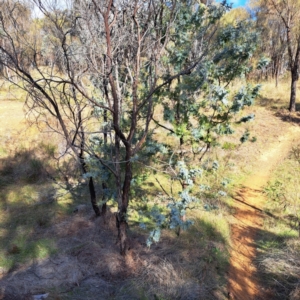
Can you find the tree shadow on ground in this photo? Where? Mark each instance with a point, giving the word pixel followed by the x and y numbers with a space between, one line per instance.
pixel 280 109
pixel 29 207
pixel 277 255
pixel 88 265
pixel 272 103
pixel 277 268
pixel 46 248
pixel 286 116
pixel 290 221
pixel 278 264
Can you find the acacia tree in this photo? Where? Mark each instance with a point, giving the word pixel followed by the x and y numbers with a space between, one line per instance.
pixel 162 52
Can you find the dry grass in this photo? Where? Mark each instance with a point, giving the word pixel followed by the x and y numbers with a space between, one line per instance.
pixel 48 248
pixel 45 248
pixel 274 97
pixel 279 266
pixel 88 263
pixel 279 243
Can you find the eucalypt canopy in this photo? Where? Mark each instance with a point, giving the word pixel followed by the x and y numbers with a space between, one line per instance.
pixel 200 107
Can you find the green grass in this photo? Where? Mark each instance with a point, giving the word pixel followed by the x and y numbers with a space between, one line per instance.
pixel 283 192
pixel 21 250
pixel 29 204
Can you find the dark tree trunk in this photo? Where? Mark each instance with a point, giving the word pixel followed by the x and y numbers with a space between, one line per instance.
pixel 103 209
pixel 292 107
pixel 91 186
pixel 277 66
pixel 1 69
pixel 93 197
pixel 294 65
pixel 104 185
pixel 122 224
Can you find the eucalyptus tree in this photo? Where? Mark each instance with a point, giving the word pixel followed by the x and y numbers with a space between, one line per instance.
pixel 113 61
pixel 23 11
pixel 199 109
pixel 288 13
pixel 126 47
pixel 143 54
pixel 272 44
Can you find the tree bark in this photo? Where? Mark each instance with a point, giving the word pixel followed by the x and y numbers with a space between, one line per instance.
pixel 93 197
pixel 91 186
pixel 104 206
pixel 277 66
pixel 292 107
pixel 294 65
pixel 104 185
pixel 122 224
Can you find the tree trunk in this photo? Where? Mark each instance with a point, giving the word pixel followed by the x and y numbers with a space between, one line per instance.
pixel 1 69
pixel 104 185
pixel 292 107
pixel 103 209
pixel 277 73
pixel 122 224
pixel 294 65
pixel 93 197
pixel 91 186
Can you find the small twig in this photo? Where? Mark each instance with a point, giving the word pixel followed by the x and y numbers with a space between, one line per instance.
pixel 279 283
pixel 158 124
pixel 162 188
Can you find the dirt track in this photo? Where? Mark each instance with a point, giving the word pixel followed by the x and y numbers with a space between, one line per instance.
pixel 243 282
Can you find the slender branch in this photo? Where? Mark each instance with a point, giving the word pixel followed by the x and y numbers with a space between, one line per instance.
pixel 160 125
pixel 162 188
